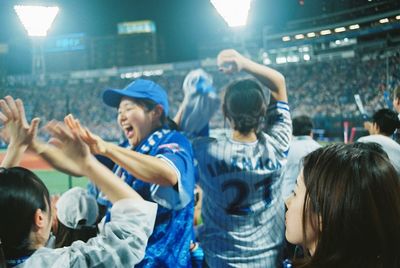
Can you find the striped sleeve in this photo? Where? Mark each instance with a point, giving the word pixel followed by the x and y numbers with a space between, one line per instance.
pixel 279 125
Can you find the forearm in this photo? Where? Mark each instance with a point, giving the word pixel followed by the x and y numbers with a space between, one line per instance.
pixel 271 78
pixel 114 188
pixel 55 158
pixel 144 167
pixel 13 155
pixel 178 116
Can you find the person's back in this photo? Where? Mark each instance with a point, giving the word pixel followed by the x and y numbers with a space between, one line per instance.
pixel 239 171
pixel 243 209
pixel 301 144
pixel 383 126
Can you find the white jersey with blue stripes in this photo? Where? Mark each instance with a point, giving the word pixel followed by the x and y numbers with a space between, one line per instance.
pixel 243 208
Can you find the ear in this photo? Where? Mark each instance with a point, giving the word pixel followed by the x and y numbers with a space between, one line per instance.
pixel 397 101
pixel 157 112
pixel 39 219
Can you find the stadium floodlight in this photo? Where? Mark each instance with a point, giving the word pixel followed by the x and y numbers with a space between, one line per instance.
pixel 398 17
pixel 286 38
pixel 354 27
pixel 235 13
pixel 310 35
pixel 299 36
pixel 325 32
pixel 340 29
pixel 385 20
pixel 281 60
pixel 37 20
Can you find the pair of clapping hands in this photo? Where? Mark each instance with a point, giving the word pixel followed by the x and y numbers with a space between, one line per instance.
pixel 72 140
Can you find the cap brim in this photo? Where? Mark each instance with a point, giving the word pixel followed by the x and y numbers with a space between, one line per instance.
pixel 112 97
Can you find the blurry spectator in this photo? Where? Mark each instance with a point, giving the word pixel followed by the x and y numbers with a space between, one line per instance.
pixel 384 123
pixel 301 145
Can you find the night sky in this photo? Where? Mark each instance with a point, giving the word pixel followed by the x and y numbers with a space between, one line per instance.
pixel 181 24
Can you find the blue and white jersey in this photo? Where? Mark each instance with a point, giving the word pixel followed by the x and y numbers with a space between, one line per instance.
pixel 243 208
pixel 168 246
pixel 300 146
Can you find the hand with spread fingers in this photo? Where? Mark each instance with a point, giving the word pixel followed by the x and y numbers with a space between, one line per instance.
pixel 96 144
pixel 20 132
pixel 13 117
pixel 70 143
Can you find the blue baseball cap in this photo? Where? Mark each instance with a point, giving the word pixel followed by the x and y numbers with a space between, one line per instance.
pixel 138 89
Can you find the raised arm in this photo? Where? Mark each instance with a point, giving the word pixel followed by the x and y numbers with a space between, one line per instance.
pixel 21 133
pixel 147 168
pixel 232 61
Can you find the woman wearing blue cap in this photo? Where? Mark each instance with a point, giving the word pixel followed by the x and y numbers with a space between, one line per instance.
pixel 26 207
pixel 155 160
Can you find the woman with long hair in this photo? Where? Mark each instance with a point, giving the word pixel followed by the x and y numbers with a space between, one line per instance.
pixel 345 210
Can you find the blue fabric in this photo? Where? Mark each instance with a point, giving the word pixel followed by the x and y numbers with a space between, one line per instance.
pixel 169 244
pixel 141 89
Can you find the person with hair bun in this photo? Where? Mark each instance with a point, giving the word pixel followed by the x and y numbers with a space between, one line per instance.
pixel 345 209
pixel 239 170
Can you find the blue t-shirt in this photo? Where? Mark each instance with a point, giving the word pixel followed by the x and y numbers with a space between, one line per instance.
pixel 169 244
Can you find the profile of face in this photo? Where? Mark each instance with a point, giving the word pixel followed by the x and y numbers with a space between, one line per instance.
pixel 136 121
pixel 294 218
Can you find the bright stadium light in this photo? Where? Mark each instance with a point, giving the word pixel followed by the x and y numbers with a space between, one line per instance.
pixel 37 20
pixel 310 35
pixel 354 27
pixel 235 13
pixel 385 20
pixel 306 57
pixel 281 60
pixel 286 38
pixel 340 29
pixel 299 36
pixel 325 32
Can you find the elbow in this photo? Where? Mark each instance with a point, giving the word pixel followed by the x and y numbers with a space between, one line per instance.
pixel 281 82
pixel 170 179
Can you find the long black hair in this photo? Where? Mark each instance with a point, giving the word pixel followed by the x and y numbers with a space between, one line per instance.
pixel 354 191
pixel 244 105
pixel 21 194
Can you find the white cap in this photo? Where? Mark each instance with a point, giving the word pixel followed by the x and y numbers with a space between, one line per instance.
pixel 76 208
